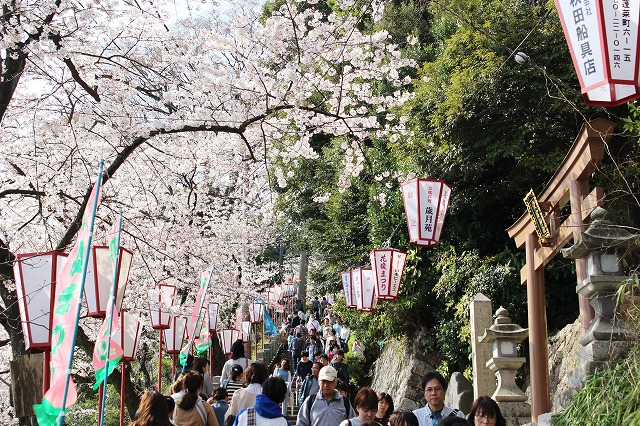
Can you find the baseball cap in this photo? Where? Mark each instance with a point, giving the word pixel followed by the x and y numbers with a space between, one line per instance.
pixel 328 373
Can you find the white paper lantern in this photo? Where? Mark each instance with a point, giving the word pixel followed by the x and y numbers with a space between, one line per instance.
pixel 174 336
pixel 35 275
pixel 387 266
pixel 129 333
pixel 365 289
pixel 160 301
pixel 213 310
pixel 425 205
pixel 227 337
pixel 255 312
pixel 347 287
pixel 100 279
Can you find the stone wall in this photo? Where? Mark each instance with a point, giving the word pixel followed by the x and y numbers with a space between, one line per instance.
pixel 398 372
pixel 563 358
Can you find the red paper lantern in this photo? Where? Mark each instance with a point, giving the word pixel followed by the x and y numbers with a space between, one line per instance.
pixel 365 289
pixel 128 335
pixel 175 334
pixel 347 286
pixel 425 205
pixel 100 279
pixel 213 310
pixel 160 301
pixel 603 40
pixel 255 312
pixel 227 337
pixel 35 275
pixel 387 266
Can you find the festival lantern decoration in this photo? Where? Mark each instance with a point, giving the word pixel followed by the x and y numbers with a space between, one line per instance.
pixel 127 336
pixel 347 286
pixel 365 289
pixel 603 40
pixel 36 275
pixel 174 338
pixel 227 337
pixel 213 309
pixel 245 331
pixel 387 266
pixel 160 302
pixel 255 312
pixel 425 205
pixel 100 279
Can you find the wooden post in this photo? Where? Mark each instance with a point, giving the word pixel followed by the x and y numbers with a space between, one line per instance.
pixel 160 364
pixel 537 315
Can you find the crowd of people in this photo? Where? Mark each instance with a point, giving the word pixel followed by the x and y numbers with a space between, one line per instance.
pixel 317 379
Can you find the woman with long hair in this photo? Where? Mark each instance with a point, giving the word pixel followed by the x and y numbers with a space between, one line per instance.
pixel 201 365
pixel 192 411
pixel 283 371
pixel 385 408
pixel 237 357
pixel 485 411
pixel 152 411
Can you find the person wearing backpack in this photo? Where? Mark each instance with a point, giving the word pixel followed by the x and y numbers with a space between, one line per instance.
pixel 266 411
pixel 192 411
pixel 310 385
pixel 327 407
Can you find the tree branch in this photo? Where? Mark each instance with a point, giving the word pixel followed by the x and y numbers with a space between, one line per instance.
pixel 32 192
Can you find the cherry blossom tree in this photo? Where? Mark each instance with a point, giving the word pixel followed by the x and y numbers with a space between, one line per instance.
pixel 192 111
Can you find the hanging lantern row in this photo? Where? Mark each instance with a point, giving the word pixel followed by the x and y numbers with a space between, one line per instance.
pixel 603 40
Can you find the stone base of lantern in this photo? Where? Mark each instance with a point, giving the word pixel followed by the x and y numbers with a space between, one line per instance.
pixel 597 355
pixel 506 369
pixel 515 413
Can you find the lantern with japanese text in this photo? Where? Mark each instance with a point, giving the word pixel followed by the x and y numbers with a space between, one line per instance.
pixel 100 279
pixel 36 275
pixel 425 205
pixel 128 335
pixel 255 312
pixel 347 286
pixel 213 309
pixel 227 337
pixel 160 301
pixel 364 287
pixel 175 334
pixel 387 266
pixel 603 40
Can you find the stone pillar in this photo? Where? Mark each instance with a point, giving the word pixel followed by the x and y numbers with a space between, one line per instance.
pixel 606 339
pixel 484 382
pixel 505 362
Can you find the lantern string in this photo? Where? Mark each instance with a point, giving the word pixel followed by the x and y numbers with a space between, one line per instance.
pixel 387 243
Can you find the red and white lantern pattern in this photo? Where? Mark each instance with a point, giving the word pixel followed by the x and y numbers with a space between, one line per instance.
pixel 160 301
pixel 36 275
pixel 425 205
pixel 245 331
pixel 100 279
pixel 227 337
pixel 213 310
pixel 387 266
pixel 347 286
pixel 128 335
pixel 174 336
pixel 603 37
pixel 365 290
pixel 255 312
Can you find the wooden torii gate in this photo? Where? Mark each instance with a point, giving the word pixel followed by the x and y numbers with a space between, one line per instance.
pixel 570 184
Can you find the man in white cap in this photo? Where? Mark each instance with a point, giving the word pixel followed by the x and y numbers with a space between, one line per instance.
pixel 327 407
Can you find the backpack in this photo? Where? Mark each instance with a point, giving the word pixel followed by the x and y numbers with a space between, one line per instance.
pixel 312 399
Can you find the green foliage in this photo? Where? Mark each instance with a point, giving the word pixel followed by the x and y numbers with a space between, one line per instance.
pixel 85 411
pixel 609 398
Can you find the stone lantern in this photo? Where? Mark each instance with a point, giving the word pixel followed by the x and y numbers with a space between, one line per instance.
pixel 504 337
pixel 605 339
